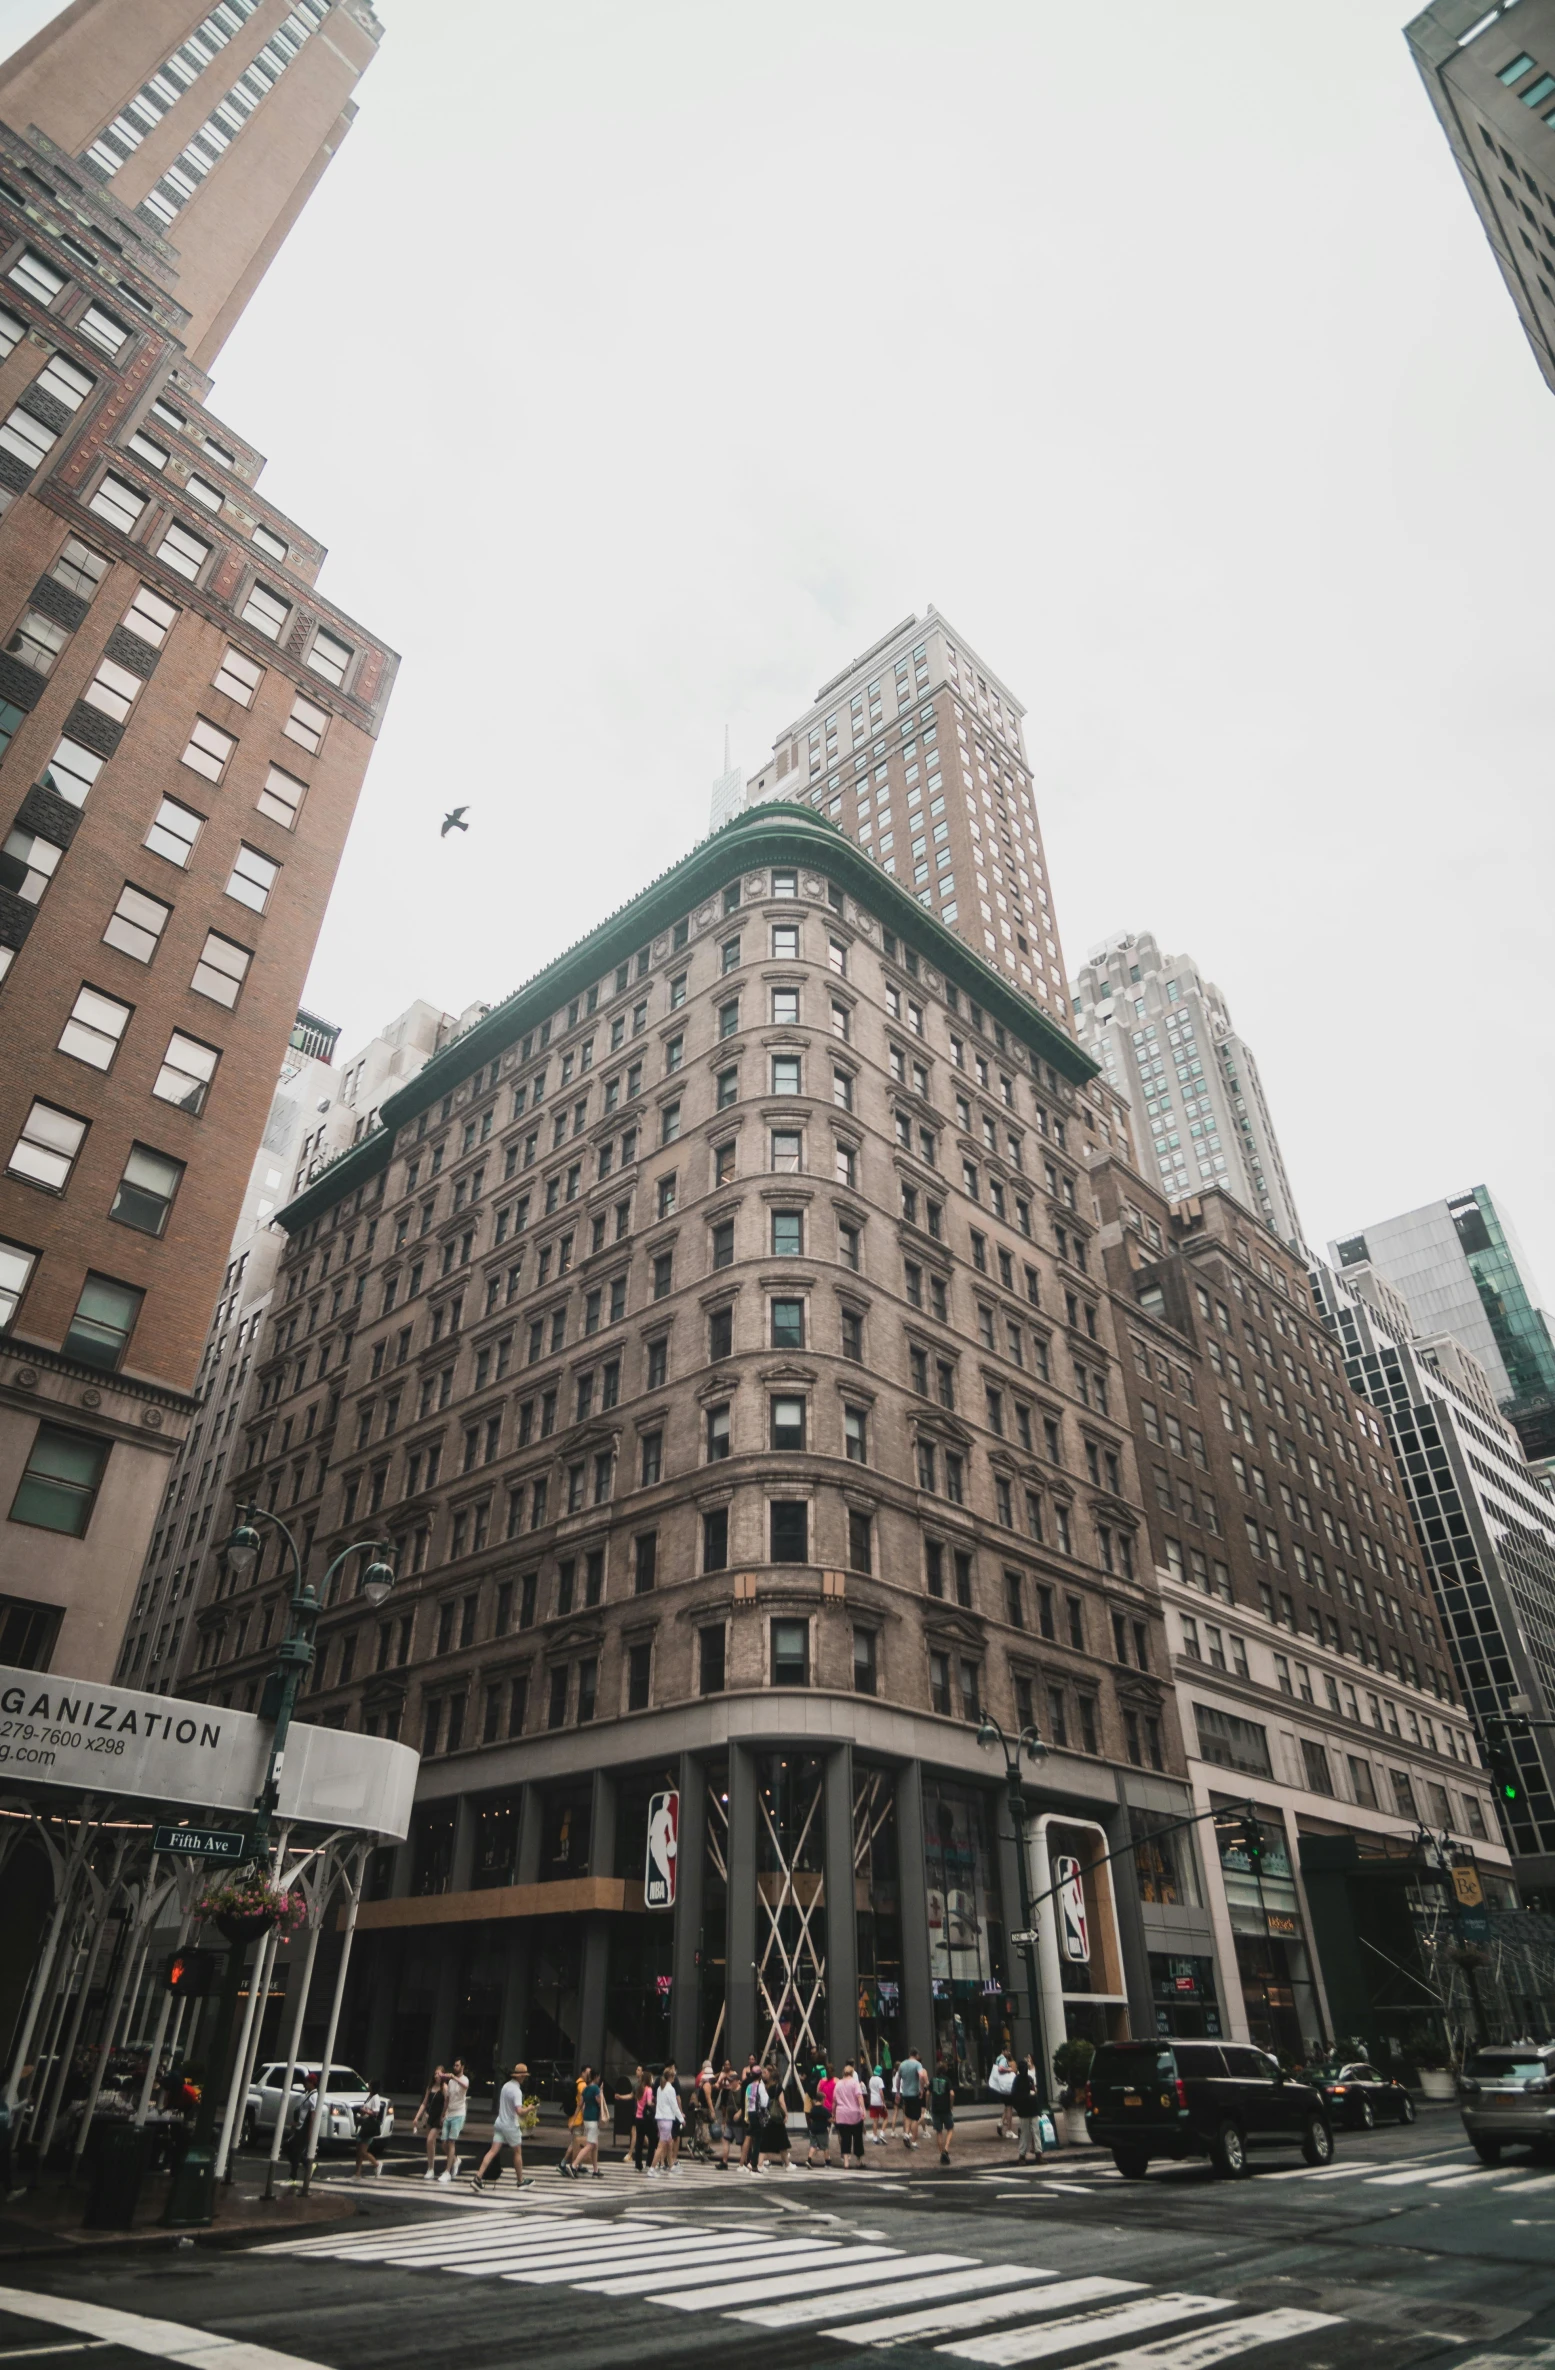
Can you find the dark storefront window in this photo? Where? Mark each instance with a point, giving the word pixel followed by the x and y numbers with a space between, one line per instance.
pixel 564 1832
pixel 966 1934
pixel 496 1841
pixel 791 1910
pixel 432 1849
pixel 877 1863
pixel 1271 1945
pixel 1183 1990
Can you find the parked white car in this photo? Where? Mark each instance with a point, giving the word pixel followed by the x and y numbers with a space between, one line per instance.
pixel 347 2093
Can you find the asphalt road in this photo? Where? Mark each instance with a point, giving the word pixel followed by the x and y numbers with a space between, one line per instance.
pixel 1405 2251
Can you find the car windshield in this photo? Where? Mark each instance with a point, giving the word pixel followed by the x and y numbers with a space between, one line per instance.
pixel 1132 2065
pixel 1487 2066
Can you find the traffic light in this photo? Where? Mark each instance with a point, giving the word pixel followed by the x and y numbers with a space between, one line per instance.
pixel 1249 1835
pixel 191 1973
pixel 1506 1776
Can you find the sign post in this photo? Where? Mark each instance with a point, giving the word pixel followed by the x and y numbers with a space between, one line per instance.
pixel 202 1843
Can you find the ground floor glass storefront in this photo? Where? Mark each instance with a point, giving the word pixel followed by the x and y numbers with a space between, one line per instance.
pixel 972 2005
pixel 1279 1996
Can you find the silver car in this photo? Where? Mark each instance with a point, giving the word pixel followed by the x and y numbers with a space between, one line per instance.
pixel 346 2095
pixel 1508 2093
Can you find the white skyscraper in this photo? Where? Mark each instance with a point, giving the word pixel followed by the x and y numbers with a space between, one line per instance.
pixel 1165 1039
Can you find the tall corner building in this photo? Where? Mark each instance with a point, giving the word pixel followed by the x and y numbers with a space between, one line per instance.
pixel 718 1332
pixel 1167 1044
pixel 916 752
pixel 1490 74
pixel 185 723
pixel 1460 1269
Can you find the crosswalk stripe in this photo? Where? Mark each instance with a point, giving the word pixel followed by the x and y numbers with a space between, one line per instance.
pixel 645 2269
pixel 780 2271
pixel 1409 2177
pixel 746 2292
pixel 977 2312
pixel 1206 2347
pixel 450 2246
pixel 1083 2329
pixel 604 2245
pixel 1527 2188
pixel 902 2290
pixel 1467 2180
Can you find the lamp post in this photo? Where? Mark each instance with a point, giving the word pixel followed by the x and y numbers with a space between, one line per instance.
pixel 191 2202
pixel 1029 1742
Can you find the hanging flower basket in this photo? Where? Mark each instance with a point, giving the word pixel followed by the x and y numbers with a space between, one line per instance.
pixel 248 1905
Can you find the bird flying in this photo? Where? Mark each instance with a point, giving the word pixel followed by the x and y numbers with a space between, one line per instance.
pixel 454 822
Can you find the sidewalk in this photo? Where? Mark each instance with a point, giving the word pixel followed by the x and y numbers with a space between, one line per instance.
pixel 46 2221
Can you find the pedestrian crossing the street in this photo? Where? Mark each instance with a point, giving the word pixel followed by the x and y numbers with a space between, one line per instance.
pixel 866 2294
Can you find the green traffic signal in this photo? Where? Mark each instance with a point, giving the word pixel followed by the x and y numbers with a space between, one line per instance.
pixel 1507 1777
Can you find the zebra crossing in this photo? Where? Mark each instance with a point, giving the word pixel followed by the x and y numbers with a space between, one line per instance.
pixel 863 2293
pixel 1446 2170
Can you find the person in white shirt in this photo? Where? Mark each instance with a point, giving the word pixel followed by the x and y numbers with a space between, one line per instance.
pixel 668 2115
pixel 456 2093
pixel 877 2107
pixel 371 2139
pixel 507 2132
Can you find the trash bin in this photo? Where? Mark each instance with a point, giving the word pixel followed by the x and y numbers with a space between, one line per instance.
pixel 117 2177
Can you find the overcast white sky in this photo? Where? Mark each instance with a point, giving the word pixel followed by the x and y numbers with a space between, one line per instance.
pixel 641 365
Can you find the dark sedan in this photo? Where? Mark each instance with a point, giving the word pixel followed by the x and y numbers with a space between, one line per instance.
pixel 1357 2095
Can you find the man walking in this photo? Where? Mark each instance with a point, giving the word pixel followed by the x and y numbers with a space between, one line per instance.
pixel 942 2105
pixel 456 2093
pixel 912 2074
pixel 507 2132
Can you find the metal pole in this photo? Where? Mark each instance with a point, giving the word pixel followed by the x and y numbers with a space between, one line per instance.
pixel 104 2050
pixel 67 2053
pixel 70 1869
pixel 1018 1821
pixel 243 2071
pixel 283 2109
pixel 334 2014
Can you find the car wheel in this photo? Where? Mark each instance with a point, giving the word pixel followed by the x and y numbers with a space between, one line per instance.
pixel 1488 2151
pixel 1228 2153
pixel 1406 2107
pixel 1367 2117
pixel 1317 2142
pixel 1132 2163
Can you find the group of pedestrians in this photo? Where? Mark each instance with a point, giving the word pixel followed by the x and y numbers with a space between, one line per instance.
pixel 722 2110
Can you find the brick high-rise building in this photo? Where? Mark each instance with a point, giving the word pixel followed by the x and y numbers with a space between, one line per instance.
pixel 915 751
pixel 184 727
pixel 318 1112
pixel 1313 1677
pixel 721 1340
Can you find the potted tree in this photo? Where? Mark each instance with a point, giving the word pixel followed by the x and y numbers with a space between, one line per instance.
pixel 1071 2071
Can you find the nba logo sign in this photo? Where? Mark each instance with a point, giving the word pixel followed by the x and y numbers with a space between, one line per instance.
pixel 663 1844
pixel 1074 1931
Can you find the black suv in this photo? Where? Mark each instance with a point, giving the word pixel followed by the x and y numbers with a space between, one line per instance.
pixel 1200 2098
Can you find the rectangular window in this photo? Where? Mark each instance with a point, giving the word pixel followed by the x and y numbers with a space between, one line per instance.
pixel 252 879
pixel 221 970
pixel 136 924
pixel 94 1029
pixel 268 614
pixel 45 1151
pixel 790 1530
pixel 715 1539
pixel 114 501
pixel 182 550
pixel 866 1662
pixel 239 676
pixel 27 865
pixel 209 749
pixel 174 832
pixel 305 725
pixel 60 1481
pixel 645 1562
pixel 105 1316
pixel 281 797
pixel 710 1660
pixel 186 1073
pixel 790 1654
pixel 330 657
pixel 147 1190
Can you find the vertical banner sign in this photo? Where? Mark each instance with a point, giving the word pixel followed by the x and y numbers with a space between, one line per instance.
pixel 663 1846
pixel 1074 1932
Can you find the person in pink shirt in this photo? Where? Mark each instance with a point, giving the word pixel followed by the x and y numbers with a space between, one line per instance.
pixel 848 2104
